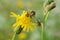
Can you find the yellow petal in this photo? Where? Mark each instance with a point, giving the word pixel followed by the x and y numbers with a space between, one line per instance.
pixel 27 29
pixel 13 14
pixel 15 24
pixel 24 28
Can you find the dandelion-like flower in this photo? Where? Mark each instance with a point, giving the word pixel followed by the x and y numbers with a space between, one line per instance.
pixel 23 21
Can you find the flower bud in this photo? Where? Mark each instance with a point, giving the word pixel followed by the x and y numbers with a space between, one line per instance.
pixel 52 6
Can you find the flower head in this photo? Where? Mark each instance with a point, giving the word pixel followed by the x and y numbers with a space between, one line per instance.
pixel 23 21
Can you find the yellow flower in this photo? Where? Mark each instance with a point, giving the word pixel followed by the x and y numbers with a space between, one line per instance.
pixel 24 21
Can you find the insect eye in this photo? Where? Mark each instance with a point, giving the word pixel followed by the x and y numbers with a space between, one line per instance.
pixel 32 13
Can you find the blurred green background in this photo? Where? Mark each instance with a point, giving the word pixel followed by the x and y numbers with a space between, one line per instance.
pixel 52 25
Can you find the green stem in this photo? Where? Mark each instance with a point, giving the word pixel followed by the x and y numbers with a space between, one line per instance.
pixel 13 38
pixel 42 31
pixel 44 20
pixel 46 17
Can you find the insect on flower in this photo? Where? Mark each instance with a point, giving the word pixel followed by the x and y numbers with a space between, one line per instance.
pixel 23 21
pixel 31 14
